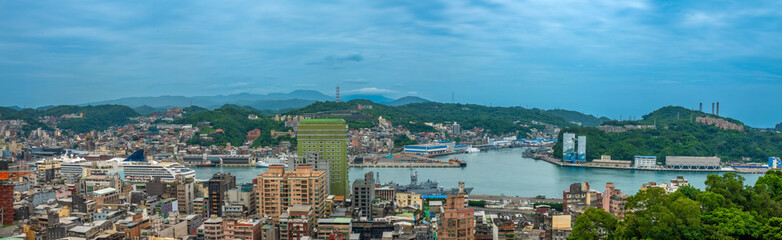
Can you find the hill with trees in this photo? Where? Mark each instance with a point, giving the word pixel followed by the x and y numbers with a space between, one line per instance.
pixel 234 122
pixel 31 120
pixel 677 134
pixel 573 116
pixel 497 120
pixel 97 118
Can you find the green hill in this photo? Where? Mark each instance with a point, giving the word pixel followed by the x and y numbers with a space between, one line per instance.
pixel 13 114
pixel 235 124
pixel 97 118
pixel 677 133
pixel 497 120
pixel 573 116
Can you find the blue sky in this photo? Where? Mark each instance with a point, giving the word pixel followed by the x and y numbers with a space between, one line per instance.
pixel 601 57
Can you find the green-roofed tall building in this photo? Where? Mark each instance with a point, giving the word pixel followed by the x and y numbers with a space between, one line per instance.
pixel 329 138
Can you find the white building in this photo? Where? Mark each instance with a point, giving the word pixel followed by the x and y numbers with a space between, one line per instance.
pixel 645 162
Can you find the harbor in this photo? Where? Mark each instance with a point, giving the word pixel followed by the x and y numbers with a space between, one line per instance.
pixel 521 176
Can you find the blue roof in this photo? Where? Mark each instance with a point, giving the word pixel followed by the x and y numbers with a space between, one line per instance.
pixel 639 156
pixel 445 141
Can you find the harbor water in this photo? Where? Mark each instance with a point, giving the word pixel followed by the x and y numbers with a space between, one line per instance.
pixel 505 171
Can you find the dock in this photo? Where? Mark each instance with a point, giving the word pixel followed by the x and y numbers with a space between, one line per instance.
pixel 559 162
pixel 407 161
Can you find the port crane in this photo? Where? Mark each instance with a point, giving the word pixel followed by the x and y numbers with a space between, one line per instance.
pixel 7 192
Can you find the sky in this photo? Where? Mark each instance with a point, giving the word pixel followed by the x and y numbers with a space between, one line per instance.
pixel 602 57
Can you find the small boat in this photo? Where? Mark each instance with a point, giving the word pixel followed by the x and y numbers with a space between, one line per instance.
pixel 206 164
pixel 473 150
pixel 461 163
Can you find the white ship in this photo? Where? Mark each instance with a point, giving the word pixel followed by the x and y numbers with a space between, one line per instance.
pixel 473 150
pixel 266 162
pixel 133 168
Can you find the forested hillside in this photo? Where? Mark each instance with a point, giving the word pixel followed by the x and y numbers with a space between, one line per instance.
pixel 235 125
pixel 678 134
pixel 497 120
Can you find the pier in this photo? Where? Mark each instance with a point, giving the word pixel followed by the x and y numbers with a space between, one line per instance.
pixel 407 161
pixel 559 162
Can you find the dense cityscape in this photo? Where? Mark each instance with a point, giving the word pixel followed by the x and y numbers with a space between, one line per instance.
pixel 138 180
pixel 390 120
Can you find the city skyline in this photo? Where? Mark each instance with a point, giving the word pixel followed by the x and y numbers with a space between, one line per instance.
pixel 604 58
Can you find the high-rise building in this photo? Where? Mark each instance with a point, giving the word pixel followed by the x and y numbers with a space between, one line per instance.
pixel 581 149
pixel 218 185
pixel 185 194
pixel 458 221
pixel 329 137
pixel 456 129
pixel 318 164
pixel 568 147
pixel 278 190
pixel 614 200
pixel 363 194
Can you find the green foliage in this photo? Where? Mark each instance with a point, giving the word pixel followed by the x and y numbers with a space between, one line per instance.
pixel 360 124
pixel 584 119
pixel 682 138
pixel 726 209
pixel 403 140
pixel 97 118
pixel 412 116
pixel 594 224
pixel 30 119
pixel 480 203
pixel 235 125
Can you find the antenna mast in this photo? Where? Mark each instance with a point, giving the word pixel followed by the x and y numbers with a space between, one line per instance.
pixel 337 93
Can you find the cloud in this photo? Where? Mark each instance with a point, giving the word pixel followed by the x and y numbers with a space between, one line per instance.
pixel 338 60
pixel 356 81
pixel 371 90
pixel 412 93
pixel 306 85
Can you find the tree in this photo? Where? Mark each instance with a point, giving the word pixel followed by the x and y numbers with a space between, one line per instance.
pixel 661 216
pixel 730 223
pixel 594 224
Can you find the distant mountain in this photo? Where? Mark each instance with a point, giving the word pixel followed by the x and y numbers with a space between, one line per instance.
pixel 577 117
pixel 406 100
pixel 146 110
pixel 158 102
pixel 17 108
pixel 272 101
pixel 370 97
pixel 276 104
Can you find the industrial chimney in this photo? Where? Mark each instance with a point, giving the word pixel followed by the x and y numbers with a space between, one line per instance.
pixel 712 108
pixel 700 107
pixel 718 108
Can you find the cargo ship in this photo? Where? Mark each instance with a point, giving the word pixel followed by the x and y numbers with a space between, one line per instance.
pixel 750 167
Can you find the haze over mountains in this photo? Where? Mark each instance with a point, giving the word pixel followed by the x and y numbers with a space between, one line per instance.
pixel 272 101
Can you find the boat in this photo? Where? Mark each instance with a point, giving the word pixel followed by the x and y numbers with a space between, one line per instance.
pixel 133 168
pixel 205 164
pixel 750 167
pixel 461 163
pixel 473 150
pixel 266 162
pixel 428 187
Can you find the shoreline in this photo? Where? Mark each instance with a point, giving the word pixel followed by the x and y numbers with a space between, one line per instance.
pixel 558 162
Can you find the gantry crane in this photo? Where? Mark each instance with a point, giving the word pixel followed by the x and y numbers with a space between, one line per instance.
pixel 7 193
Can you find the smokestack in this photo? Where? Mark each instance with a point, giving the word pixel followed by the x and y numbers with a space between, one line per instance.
pixel 712 108
pixel 700 107
pixel 718 108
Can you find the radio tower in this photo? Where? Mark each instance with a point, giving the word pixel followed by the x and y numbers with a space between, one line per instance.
pixel 337 93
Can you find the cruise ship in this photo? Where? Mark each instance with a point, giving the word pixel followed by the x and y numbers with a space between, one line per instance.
pixel 134 168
